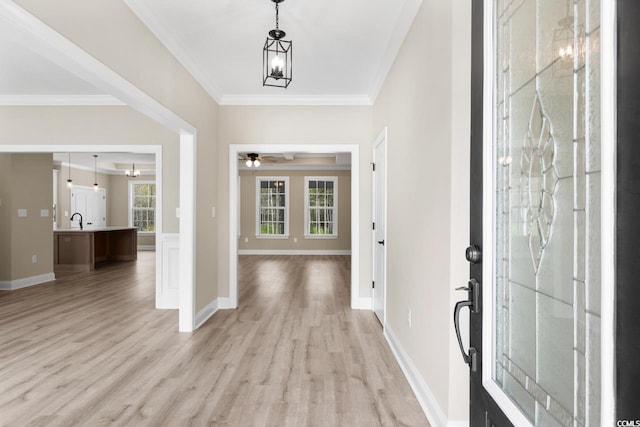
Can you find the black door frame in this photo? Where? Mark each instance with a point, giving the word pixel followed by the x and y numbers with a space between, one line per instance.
pixel 627 266
pixel 485 404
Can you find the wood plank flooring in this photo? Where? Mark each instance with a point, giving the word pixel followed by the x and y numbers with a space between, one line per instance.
pixel 90 350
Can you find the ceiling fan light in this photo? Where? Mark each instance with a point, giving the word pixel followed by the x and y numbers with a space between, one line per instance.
pixel 256 163
pixel 249 163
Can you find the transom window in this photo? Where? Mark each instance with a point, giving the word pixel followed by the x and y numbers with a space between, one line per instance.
pixel 321 206
pixel 272 202
pixel 142 206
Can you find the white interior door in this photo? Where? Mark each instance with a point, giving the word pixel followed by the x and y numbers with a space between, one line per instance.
pixel 379 225
pixel 98 214
pixel 91 204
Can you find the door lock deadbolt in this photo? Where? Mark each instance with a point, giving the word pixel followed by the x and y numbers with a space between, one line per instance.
pixel 473 254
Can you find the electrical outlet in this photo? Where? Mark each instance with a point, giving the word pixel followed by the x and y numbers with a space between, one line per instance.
pixel 409 317
pixel 246 240
pixel 34 259
pixel 213 212
pixel 295 240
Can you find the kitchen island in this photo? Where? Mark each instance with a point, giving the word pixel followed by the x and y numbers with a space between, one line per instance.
pixel 81 250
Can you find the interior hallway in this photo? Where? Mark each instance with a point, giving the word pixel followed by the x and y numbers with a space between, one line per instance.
pixel 91 350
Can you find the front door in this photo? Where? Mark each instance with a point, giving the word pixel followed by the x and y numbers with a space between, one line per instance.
pixel 536 213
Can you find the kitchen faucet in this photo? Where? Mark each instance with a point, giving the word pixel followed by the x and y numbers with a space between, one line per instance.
pixel 80 215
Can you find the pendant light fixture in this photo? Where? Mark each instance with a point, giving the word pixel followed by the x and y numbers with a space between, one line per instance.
pixel 69 182
pixel 133 173
pixel 277 59
pixel 95 173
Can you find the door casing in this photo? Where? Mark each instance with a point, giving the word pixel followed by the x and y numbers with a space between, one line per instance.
pixel 357 302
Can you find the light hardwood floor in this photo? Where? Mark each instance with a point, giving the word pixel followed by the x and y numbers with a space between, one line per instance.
pixel 91 350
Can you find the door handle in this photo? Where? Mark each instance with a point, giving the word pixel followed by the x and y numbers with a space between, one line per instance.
pixel 470 358
pixel 381 242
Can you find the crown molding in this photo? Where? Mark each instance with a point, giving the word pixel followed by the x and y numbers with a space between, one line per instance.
pixel 151 21
pixel 32 100
pixel 296 100
pixel 403 25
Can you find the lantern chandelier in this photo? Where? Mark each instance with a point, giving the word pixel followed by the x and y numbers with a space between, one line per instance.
pixel 277 60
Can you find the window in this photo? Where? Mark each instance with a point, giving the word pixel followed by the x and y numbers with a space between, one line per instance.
pixel 272 203
pixel 142 206
pixel 321 206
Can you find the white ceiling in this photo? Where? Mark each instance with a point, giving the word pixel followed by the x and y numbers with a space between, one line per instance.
pixel 342 50
pixel 28 78
pixel 25 73
pixel 341 56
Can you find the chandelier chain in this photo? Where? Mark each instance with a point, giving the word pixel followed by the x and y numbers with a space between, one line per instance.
pixel 277 17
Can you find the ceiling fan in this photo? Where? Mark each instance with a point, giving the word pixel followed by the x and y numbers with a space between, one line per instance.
pixel 254 159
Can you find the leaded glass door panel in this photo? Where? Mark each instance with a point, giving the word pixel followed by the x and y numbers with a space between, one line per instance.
pixel 536 172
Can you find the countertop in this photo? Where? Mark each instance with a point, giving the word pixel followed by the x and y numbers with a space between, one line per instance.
pixel 91 229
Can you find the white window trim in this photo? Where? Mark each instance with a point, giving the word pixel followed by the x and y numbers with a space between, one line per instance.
pixel 259 179
pixel 307 207
pixel 131 184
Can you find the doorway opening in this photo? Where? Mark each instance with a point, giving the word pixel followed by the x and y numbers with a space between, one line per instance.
pixel 58 212
pixel 236 150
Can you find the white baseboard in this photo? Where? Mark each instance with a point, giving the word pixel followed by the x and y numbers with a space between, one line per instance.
pixel 204 314
pixel 292 252
pixel 146 247
pixel 211 309
pixel 362 303
pixel 427 400
pixel 458 424
pixel 11 285
pixel 224 303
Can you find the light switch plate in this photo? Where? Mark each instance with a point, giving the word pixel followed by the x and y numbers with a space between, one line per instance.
pixel 177 212
pixel 44 213
pixel 22 213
